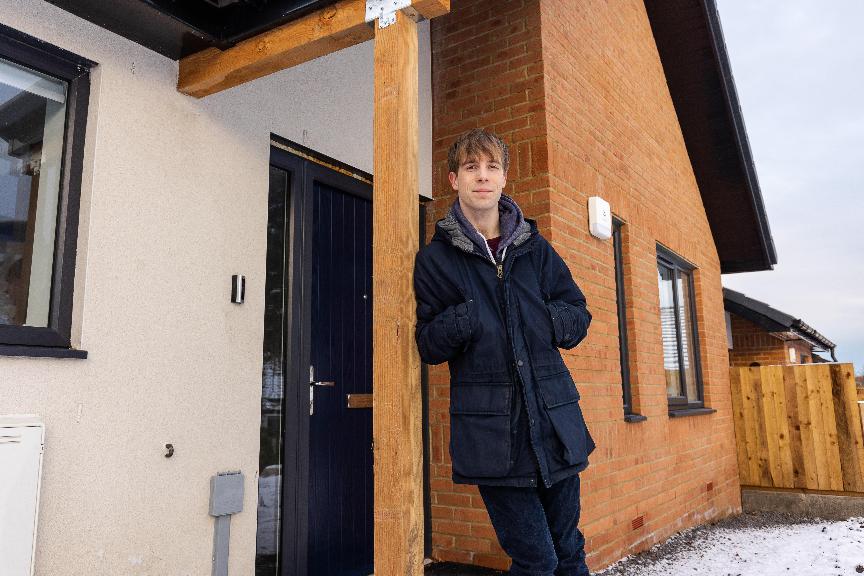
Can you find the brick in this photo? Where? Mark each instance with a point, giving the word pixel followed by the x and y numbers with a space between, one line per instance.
pixel 451 527
pixel 577 90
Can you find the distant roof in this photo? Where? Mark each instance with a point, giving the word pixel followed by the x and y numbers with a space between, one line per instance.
pixel 773 320
pixel 690 43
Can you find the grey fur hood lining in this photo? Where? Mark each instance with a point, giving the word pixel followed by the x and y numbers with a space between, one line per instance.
pixel 462 234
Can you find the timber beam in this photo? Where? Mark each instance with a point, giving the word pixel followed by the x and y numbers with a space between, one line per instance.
pixel 317 34
pixel 396 412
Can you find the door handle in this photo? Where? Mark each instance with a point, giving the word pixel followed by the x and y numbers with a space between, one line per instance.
pixel 312 384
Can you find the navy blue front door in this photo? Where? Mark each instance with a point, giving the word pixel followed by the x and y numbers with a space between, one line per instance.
pixel 340 437
pixel 315 483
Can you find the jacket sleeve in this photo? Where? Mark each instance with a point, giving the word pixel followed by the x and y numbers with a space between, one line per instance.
pixel 442 331
pixel 564 301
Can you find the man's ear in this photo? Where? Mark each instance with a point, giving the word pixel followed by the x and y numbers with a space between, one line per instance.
pixel 504 183
pixel 452 176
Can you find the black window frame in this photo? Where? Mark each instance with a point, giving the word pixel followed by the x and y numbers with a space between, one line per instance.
pixel 30 52
pixel 623 336
pixel 679 266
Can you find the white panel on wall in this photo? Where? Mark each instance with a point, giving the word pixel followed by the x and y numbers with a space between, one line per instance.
pixel 21 440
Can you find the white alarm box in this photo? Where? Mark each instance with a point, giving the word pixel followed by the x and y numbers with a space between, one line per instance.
pixel 21 443
pixel 599 218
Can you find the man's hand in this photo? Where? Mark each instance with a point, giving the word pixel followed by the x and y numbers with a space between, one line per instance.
pixel 469 322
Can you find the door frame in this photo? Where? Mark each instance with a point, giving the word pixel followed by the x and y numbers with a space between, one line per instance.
pixel 305 167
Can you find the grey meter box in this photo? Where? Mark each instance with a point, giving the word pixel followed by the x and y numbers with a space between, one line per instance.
pixel 226 494
pixel 226 498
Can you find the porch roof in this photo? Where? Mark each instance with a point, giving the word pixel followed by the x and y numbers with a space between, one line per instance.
pixel 774 321
pixel 691 47
pixel 177 29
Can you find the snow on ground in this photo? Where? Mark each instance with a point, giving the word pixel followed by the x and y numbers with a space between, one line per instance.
pixel 755 545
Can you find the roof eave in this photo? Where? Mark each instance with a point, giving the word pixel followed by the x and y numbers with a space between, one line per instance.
pixel 690 43
pixel 733 107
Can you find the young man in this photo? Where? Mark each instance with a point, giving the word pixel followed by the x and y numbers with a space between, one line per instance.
pixel 495 301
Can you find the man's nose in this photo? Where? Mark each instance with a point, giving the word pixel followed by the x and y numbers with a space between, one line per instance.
pixel 482 174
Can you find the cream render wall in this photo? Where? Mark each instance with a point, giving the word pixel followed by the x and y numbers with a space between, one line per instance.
pixel 174 201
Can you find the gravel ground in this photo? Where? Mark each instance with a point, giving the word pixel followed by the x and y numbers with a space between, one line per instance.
pixel 752 544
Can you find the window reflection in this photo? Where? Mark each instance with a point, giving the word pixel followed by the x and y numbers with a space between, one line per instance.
pixel 272 385
pixel 667 325
pixel 687 343
pixel 32 125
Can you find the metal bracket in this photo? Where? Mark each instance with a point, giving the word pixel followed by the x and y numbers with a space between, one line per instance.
pixel 384 10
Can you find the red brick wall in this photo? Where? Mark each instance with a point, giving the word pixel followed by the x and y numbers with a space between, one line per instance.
pixel 578 91
pixel 751 343
pixel 486 71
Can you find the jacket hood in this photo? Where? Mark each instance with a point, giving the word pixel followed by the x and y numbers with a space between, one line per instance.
pixel 458 231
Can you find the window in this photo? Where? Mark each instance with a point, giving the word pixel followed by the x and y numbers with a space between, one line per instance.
pixel 43 111
pixel 621 300
pixel 680 336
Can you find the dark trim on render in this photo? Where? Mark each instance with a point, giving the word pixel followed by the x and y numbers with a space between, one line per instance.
pixel 42 352
pixel 299 150
pixel 33 53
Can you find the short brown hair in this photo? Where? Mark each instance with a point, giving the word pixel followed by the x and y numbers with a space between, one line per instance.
pixel 476 143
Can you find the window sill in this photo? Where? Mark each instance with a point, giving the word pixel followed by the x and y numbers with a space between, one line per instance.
pixel 41 352
pixel 690 412
pixel 634 418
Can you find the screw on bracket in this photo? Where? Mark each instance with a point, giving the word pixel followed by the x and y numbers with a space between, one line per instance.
pixel 384 10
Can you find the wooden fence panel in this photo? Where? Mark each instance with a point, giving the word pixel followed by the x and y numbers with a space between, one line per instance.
pixel 850 427
pixel 798 426
pixel 778 431
pixel 796 443
pixel 740 432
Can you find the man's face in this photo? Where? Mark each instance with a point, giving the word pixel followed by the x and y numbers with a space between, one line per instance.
pixel 479 182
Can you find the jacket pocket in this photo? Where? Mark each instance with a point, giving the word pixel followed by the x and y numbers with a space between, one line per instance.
pixel 480 429
pixel 556 386
pixel 561 400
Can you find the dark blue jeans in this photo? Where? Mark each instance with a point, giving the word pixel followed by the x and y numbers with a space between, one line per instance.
pixel 537 527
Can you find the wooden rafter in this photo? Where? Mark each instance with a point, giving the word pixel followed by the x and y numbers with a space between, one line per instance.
pixel 317 34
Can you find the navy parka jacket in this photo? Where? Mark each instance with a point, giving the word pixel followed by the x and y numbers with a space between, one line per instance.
pixel 514 409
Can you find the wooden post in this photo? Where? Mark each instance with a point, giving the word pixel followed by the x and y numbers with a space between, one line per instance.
pixel 395 361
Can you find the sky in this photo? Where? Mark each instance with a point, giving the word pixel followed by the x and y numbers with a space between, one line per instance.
pixel 799 71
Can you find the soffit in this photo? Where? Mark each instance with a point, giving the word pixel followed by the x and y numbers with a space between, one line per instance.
pixel 179 28
pixel 690 43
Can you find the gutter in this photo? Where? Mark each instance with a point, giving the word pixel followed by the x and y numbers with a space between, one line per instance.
pixel 814 337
